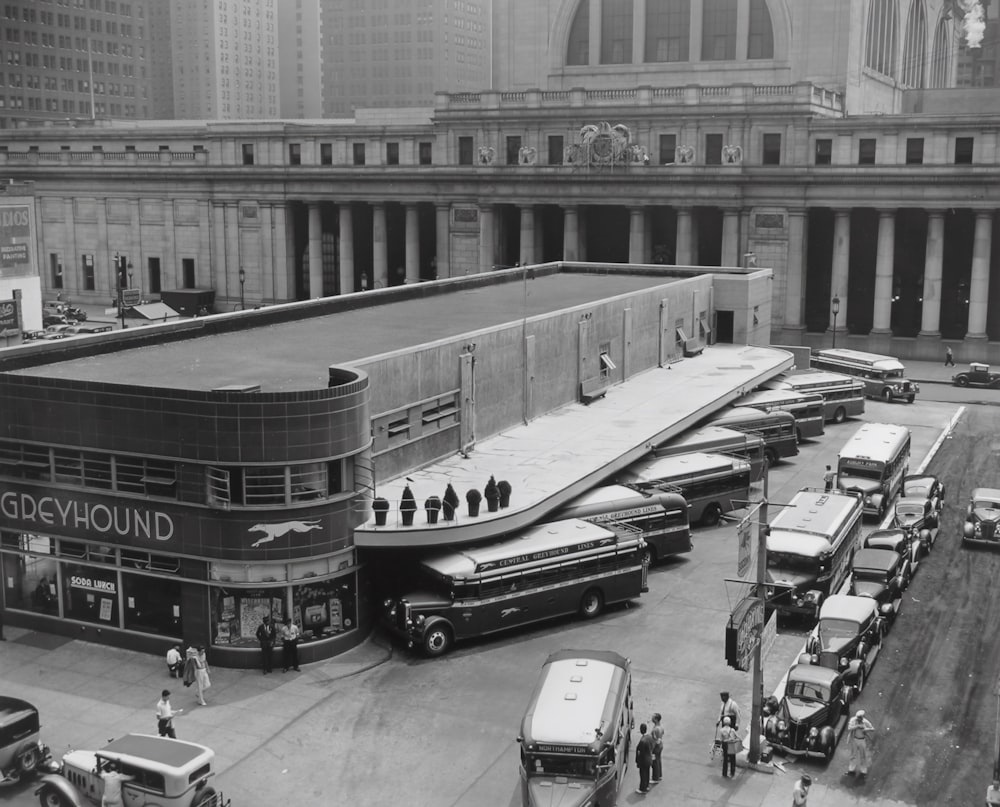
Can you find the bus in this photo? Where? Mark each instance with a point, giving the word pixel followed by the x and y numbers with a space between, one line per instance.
pixel 810 545
pixel 719 440
pixel 777 428
pixel 883 376
pixel 873 463
pixel 659 517
pixel 549 570
pixel 843 395
pixel 577 730
pixel 807 407
pixel 712 484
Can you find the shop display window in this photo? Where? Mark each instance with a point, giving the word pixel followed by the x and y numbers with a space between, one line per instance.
pixel 325 608
pixel 30 579
pixel 152 605
pixel 90 594
pixel 236 613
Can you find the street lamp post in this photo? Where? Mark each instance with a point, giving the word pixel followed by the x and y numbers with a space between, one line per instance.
pixel 836 310
pixel 243 280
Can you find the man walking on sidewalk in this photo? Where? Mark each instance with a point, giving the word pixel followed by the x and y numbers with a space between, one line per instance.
pixel 859 732
pixel 949 358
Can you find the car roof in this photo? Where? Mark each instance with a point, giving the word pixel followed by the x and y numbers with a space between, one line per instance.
pixel 917 501
pixel 986 493
pixel 14 710
pixel 872 558
pixel 162 752
pixel 878 538
pixel 846 606
pixel 814 673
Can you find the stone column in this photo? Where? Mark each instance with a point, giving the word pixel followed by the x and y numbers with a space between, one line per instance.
pixel 840 270
pixel 795 272
pixel 685 238
pixel 412 244
pixel 571 233
pixel 346 248
pixel 380 256
pixel 442 258
pixel 930 317
pixel 485 238
pixel 315 251
pixel 885 254
pixel 979 284
pixel 527 235
pixel 731 238
pixel 636 234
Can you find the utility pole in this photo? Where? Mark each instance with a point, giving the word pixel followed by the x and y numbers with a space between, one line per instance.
pixel 757 703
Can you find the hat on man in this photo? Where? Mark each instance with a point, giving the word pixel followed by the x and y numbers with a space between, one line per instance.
pixel 860 714
pixel 806 779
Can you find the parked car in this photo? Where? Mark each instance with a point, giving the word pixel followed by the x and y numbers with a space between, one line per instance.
pixel 924 486
pixel 982 519
pixel 49 320
pixel 163 772
pixel 812 713
pixel 83 330
pixel 911 550
pixel 878 574
pixel 21 752
pixel 847 638
pixel 31 336
pixel 919 518
pixel 978 375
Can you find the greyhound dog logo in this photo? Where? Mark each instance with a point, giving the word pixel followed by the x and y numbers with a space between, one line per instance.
pixel 272 531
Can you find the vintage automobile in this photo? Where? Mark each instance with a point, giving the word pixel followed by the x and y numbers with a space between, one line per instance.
pixel 847 638
pixel 911 550
pixel 21 752
pixel 978 375
pixel 812 713
pixel 162 773
pixel 923 486
pixel 982 519
pixel 878 574
pixel 919 518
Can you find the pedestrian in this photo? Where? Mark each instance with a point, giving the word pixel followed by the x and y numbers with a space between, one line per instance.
pixel 113 778
pixel 800 790
pixel 198 664
pixel 829 478
pixel 290 644
pixel 656 732
pixel 175 662
pixel 859 731
pixel 643 758
pixel 949 357
pixel 730 745
pixel 266 636
pixel 729 709
pixel 165 716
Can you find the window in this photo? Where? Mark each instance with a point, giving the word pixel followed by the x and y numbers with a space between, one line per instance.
pixel 358 152
pixel 578 50
pixel 248 153
pixel 866 151
pixel 88 273
pixel 392 153
pixel 772 149
pixel 760 39
pixel 326 153
pixel 465 151
pixel 154 276
pixel 963 150
pixel 425 153
pixel 513 149
pixel 56 270
pixel 668 149
pixel 187 273
pixel 295 154
pixel 555 149
pixel 607 365
pixel 667 31
pixel 616 27
pixel 713 149
pixel 718 37
pixel 273 486
pixel 824 151
pixel 914 150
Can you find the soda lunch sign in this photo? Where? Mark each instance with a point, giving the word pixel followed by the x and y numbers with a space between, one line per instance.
pixel 119 520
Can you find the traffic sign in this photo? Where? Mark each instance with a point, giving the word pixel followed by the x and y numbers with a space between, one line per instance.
pixel 131 296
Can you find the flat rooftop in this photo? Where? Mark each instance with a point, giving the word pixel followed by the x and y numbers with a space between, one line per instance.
pixel 295 355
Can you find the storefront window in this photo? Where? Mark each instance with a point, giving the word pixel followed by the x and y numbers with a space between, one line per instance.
pixel 325 608
pixel 90 594
pixel 153 605
pixel 236 613
pixel 30 580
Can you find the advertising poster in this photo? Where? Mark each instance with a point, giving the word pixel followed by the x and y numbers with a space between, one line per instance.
pixel 15 238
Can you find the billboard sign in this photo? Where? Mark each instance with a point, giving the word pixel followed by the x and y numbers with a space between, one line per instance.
pixel 15 238
pixel 8 318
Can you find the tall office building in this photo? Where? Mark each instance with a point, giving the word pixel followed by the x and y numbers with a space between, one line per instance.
pixel 61 59
pixel 300 60
pixel 225 59
pixel 394 53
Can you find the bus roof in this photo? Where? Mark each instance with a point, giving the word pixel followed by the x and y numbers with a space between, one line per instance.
pixel 534 545
pixel 708 438
pixel 878 442
pixel 575 700
pixel 682 466
pixel 875 360
pixel 808 379
pixel 815 512
pixel 748 415
pixel 796 543
pixel 610 499
pixel 763 397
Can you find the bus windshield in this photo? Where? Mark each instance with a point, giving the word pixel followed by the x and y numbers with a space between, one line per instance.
pixel 846 469
pixel 793 562
pixel 562 765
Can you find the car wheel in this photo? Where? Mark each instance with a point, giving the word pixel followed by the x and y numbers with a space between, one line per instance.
pixel 28 761
pixel 711 514
pixel 962 381
pixel 206 797
pixel 859 685
pixel 840 415
pixel 50 796
pixel 828 751
pixel 591 604
pixel 887 395
pixel 437 639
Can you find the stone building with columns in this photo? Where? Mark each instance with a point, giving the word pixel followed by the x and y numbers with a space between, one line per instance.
pixel 646 131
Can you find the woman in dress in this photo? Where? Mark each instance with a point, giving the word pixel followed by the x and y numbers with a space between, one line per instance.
pixel 196 656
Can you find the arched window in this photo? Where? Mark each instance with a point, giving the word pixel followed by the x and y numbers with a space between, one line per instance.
pixel 760 41
pixel 914 46
pixel 668 24
pixel 616 32
pixel 578 51
pixel 718 32
pixel 883 35
pixel 941 56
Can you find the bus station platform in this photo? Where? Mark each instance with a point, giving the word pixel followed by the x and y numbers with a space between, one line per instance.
pixel 561 455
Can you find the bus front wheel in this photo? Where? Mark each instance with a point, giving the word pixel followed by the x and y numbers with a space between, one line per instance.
pixel 840 415
pixel 437 639
pixel 592 603
pixel 887 395
pixel 712 514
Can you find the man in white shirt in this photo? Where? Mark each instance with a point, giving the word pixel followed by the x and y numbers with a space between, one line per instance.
pixel 164 716
pixel 175 662
pixel 113 779
pixel 729 709
pixel 290 644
